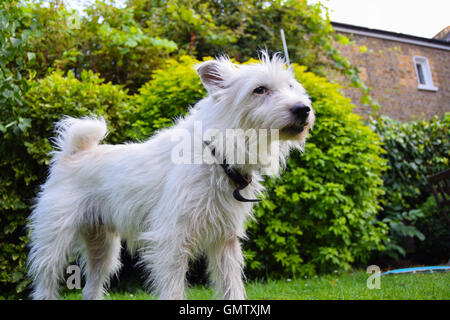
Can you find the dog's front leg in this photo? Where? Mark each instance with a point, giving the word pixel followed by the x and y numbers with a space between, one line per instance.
pixel 168 263
pixel 225 263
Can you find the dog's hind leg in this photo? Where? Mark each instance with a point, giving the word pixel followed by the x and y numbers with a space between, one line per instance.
pixel 51 245
pixel 102 259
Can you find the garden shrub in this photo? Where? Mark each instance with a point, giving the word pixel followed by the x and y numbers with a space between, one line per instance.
pixel 320 216
pixel 415 150
pixel 14 33
pixel 436 246
pixel 25 146
pixel 167 95
pixel 104 39
pixel 111 42
pixel 241 28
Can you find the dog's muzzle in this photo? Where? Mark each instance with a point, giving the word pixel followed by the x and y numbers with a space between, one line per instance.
pixel 300 114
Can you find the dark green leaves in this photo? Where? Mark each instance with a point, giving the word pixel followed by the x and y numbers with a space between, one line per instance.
pixel 415 150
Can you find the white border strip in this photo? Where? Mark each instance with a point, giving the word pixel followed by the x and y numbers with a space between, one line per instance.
pixel 392 38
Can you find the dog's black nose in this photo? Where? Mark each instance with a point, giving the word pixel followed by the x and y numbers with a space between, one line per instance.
pixel 300 111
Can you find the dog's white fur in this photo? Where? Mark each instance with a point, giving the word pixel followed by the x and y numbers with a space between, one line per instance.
pixel 97 195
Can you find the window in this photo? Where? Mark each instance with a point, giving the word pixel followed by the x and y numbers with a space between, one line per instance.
pixel 423 72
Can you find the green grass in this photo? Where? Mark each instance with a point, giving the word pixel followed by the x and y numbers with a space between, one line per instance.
pixel 351 286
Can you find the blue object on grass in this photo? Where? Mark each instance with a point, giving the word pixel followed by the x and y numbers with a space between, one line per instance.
pixel 418 269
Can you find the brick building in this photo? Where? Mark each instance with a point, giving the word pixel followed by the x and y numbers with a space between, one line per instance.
pixel 409 76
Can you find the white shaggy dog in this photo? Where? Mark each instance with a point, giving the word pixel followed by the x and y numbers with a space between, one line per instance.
pixel 97 194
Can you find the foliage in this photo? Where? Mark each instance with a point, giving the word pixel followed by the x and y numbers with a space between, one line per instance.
pixel 126 44
pixel 241 28
pixel 106 40
pixel 118 48
pixel 415 150
pixel 186 22
pixel 320 215
pixel 205 28
pixel 14 33
pixel 436 230
pixel 169 93
pixel 53 35
pixel 25 150
pixel 57 95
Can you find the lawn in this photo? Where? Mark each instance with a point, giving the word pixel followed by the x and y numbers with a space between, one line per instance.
pixel 348 286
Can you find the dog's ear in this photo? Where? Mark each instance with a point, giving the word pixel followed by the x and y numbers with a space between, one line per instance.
pixel 211 74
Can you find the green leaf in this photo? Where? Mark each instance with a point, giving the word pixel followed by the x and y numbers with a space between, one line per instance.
pixel 31 56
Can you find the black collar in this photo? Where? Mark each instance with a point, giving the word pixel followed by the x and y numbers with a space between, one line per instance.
pixel 240 180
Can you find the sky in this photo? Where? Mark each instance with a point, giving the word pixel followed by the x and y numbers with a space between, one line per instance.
pixel 422 18
pixel 80 4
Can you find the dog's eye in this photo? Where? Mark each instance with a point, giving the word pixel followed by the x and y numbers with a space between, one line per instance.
pixel 261 90
pixel 291 86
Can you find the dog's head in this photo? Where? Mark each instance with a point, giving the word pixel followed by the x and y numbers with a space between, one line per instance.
pixel 262 95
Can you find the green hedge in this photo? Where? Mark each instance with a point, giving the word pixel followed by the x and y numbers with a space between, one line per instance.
pixel 25 146
pixel 415 150
pixel 435 248
pixel 14 32
pixel 167 95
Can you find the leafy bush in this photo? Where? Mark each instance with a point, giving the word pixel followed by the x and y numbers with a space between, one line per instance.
pixel 167 95
pixel 321 215
pixel 14 32
pixel 244 27
pixel 415 150
pixel 116 46
pixel 25 145
pixel 241 28
pixel 58 95
pixel 105 39
pixel 435 228
pixel 124 45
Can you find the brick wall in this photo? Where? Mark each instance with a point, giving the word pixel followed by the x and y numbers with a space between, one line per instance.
pixel 388 68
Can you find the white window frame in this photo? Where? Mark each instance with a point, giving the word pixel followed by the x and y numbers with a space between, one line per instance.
pixel 426 73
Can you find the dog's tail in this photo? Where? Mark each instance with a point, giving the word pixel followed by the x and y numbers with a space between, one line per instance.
pixel 73 135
